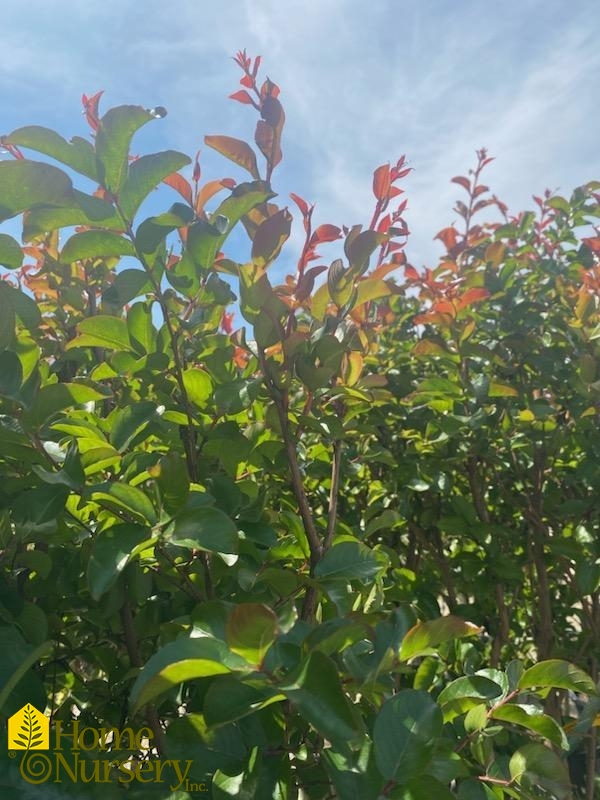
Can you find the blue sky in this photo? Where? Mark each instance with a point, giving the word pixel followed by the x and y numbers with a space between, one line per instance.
pixel 362 83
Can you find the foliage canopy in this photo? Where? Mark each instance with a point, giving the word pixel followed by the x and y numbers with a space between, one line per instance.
pixel 318 555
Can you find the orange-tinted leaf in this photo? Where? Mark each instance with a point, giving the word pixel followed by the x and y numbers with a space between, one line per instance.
pixel 428 348
pixel 179 183
pixel 410 273
pixel 448 237
pixel 471 296
pixel 444 307
pixel 383 270
pixel 353 367
pixel 235 150
pixel 207 191
pixel 495 253
pixel 381 182
pixel 268 142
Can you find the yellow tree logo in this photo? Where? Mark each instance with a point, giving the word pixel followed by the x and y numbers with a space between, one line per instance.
pixel 29 729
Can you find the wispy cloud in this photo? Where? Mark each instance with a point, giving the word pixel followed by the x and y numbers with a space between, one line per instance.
pixel 361 84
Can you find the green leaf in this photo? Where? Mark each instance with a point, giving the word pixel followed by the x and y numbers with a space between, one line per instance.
pixel 530 717
pixel 11 255
pixel 270 237
pixel 126 423
pixel 95 244
pixel 18 658
pixel 198 385
pixel 26 184
pixel 7 317
pixel 534 765
pixel 129 284
pixel 371 289
pixel 102 331
pixel 113 138
pixel 405 734
pixel 145 175
pixel 206 528
pixel 77 154
pixel 172 478
pixel 142 332
pixel 251 630
pixel 56 397
pixel 424 636
pixel 88 210
pixel 471 686
pixel 11 374
pixel 557 674
pixel 124 497
pixel 351 560
pixel 179 661
pixel 229 699
pixel 318 695
pixel 359 248
pixel 152 231
pixel 501 390
pixel 112 549
pixel 25 308
pixel 205 240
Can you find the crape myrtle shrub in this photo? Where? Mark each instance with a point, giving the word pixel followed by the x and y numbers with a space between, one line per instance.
pixel 346 550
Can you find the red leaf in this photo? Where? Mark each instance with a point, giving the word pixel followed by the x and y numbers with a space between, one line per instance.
pixel 326 233
pixel 480 189
pixel 410 273
pixel 257 61
pixel 384 224
pixel 381 182
pixel 246 80
pixel 179 183
pixel 593 242
pixel 464 182
pixel 242 96
pixel 197 171
pixel 481 204
pixel 90 109
pixel 302 204
pixel 226 323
